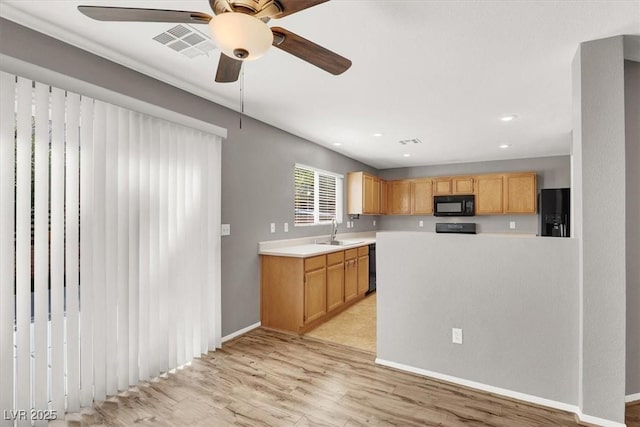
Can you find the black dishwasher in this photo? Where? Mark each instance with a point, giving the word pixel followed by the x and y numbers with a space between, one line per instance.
pixel 372 268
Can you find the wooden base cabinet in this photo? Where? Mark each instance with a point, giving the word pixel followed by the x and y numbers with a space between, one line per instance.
pixel 363 270
pixel 335 280
pixel 350 274
pixel 298 294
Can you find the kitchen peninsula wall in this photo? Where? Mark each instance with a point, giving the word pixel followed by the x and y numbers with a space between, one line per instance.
pixel 553 172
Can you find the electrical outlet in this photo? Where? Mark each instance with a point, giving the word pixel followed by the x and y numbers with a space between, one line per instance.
pixel 374 222
pixel 348 224
pixel 456 335
pixel 286 227
pixel 225 229
pixel 421 223
pixel 512 225
pixel 273 227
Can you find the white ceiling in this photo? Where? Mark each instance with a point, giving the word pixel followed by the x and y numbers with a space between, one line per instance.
pixel 441 71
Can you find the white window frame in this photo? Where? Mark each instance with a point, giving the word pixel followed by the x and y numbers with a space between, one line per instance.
pixel 316 202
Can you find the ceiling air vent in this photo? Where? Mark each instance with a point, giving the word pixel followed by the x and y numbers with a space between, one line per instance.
pixel 186 40
pixel 410 141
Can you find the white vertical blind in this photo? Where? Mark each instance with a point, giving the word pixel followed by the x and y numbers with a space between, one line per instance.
pixel 143 312
pixel 23 244
pixel 154 265
pixel 7 230
pixel 134 244
pixel 123 249
pixel 86 251
pixel 99 252
pixel 172 250
pixel 72 255
pixel 41 249
pixel 122 213
pixel 163 230
pixel 7 251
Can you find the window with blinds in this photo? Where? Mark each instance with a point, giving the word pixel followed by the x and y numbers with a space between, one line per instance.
pixel 318 196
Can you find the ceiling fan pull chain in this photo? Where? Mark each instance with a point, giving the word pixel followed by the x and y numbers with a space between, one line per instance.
pixel 241 95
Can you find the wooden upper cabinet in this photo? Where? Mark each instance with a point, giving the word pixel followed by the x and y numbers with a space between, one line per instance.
pixel 462 185
pixel 399 197
pixel 489 194
pixel 384 199
pixel 444 186
pixel 422 196
pixel 520 193
pixel 363 194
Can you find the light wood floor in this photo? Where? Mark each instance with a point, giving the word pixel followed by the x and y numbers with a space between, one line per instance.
pixel 354 327
pixel 267 378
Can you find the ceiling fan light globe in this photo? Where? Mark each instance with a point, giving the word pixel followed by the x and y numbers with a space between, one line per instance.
pixel 238 32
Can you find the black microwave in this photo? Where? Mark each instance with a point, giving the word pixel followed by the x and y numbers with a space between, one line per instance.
pixel 454 205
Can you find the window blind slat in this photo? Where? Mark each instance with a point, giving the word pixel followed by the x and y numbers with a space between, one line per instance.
pixel 188 227
pixel 72 201
pixel 134 244
pixel 215 191
pixel 163 267
pixel 41 248
pixel 172 249
pixel 23 247
pixel 154 232
pixel 86 251
pixel 7 229
pixel 180 258
pixel 57 248
pixel 143 335
pixel 123 250
pixel 196 287
pixel 99 251
pixel 111 241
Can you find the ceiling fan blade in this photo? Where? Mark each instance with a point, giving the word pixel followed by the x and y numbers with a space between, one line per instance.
pixel 104 13
pixel 228 69
pixel 292 6
pixel 309 51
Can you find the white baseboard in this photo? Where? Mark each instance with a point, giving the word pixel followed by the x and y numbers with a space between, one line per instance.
pixel 598 421
pixel 240 332
pixel 632 398
pixel 503 392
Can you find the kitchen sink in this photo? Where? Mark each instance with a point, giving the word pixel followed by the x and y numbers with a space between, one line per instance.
pixel 339 242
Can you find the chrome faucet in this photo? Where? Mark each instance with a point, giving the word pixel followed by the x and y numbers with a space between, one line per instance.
pixel 334 229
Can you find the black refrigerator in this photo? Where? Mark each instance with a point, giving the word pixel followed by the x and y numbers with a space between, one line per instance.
pixel 555 212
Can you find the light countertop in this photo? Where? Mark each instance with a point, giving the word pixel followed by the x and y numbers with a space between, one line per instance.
pixel 306 247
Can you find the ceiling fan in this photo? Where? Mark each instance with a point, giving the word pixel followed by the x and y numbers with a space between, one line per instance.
pixel 239 28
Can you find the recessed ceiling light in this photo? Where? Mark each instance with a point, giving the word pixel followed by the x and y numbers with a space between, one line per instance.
pixel 505 146
pixel 377 134
pixel 508 118
pixel 406 155
pixel 337 144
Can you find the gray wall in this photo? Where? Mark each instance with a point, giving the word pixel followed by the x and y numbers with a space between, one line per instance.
pixel 632 134
pixel 516 300
pixel 553 172
pixel 599 117
pixel 257 162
